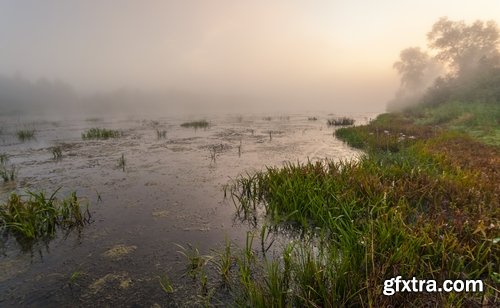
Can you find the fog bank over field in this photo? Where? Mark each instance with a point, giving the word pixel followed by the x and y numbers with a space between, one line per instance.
pixel 211 56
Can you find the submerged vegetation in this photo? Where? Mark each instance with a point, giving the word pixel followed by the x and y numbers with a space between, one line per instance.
pixel 100 133
pixel 423 202
pixel 196 124
pixel 341 121
pixel 34 216
pixel 25 134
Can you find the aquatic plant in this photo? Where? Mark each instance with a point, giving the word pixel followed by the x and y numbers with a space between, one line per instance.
pixel 224 262
pixel 56 152
pixel 35 216
pixel 196 124
pixel 312 118
pixel 122 162
pixel 161 134
pixel 4 158
pixel 426 206
pixel 341 121
pixel 100 133
pixel 8 172
pixel 166 284
pixel 195 260
pixel 25 134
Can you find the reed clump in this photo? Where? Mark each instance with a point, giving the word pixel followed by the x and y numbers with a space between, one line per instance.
pixel 35 216
pixel 161 134
pixel 8 171
pixel 56 152
pixel 341 121
pixel 100 133
pixel 196 124
pixel 25 134
pixel 412 207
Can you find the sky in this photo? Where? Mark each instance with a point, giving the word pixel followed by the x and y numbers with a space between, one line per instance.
pixel 292 53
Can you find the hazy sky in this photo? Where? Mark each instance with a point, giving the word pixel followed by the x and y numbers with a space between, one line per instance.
pixel 326 51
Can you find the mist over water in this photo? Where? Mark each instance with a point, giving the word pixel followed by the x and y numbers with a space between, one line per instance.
pixel 224 56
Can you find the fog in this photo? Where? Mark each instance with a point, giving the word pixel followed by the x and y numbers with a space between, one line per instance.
pixel 233 56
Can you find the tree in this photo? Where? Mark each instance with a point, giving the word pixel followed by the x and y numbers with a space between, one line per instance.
pixel 411 67
pixel 465 48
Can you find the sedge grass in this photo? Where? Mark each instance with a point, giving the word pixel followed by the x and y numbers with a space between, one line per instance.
pixel 34 215
pixel 161 134
pixel 8 172
pixel 56 152
pixel 100 133
pixel 425 207
pixel 341 121
pixel 196 124
pixel 25 134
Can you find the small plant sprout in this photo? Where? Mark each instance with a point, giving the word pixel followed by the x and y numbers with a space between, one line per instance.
pixel 166 284
pixel 195 260
pixel 8 172
pixel 56 153
pixel 161 134
pixel 121 162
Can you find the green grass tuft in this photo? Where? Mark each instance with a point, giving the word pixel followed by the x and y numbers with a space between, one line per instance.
pixel 36 216
pixel 100 133
pixel 196 124
pixel 25 134
pixel 342 121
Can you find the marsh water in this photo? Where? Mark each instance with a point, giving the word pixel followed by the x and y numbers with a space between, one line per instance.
pixel 170 191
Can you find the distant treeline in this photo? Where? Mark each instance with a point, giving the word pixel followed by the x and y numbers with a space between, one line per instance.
pixel 19 95
pixel 463 64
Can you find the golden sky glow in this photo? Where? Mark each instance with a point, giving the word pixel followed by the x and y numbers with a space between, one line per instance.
pixel 326 48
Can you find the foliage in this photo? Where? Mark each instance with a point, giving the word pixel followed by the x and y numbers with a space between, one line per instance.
pixel 8 172
pixel 100 133
pixel 35 216
pixel 341 121
pixel 416 207
pixel 25 134
pixel 196 124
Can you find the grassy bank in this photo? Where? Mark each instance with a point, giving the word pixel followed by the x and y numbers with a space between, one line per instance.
pixel 423 202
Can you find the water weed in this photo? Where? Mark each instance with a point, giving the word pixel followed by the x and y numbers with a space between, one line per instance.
pixel 8 172
pixel 100 133
pixel 122 162
pixel 56 152
pixel 36 216
pixel 161 134
pixel 25 134
pixel 342 121
pixel 423 206
pixel 196 124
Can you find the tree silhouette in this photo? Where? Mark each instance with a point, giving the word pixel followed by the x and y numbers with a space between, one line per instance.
pixel 465 48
